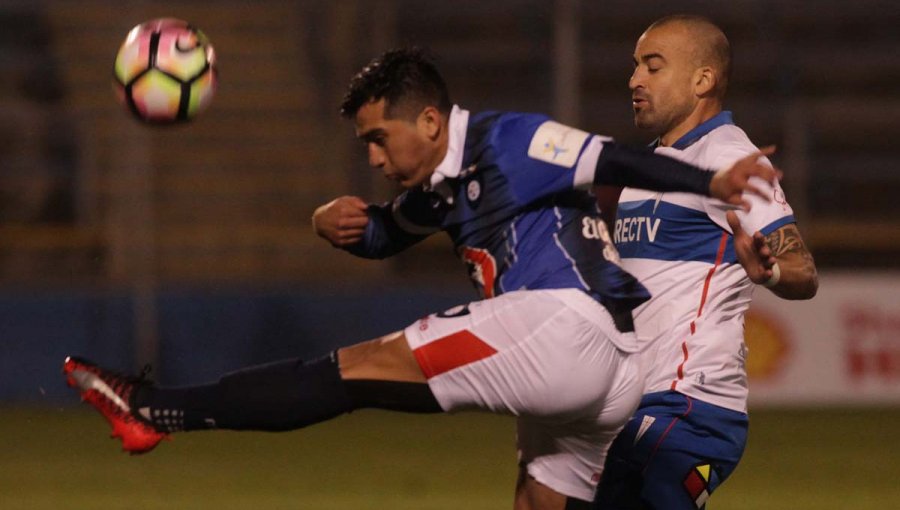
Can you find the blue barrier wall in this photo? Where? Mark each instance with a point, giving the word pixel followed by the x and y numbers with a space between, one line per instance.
pixel 202 333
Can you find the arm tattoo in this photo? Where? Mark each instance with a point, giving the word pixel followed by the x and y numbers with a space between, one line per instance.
pixel 801 281
pixel 786 239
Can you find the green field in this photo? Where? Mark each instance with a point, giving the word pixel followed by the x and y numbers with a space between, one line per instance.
pixel 62 459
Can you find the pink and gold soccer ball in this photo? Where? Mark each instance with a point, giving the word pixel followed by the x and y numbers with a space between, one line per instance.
pixel 165 71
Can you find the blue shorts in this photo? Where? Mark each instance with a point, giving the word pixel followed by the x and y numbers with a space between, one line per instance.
pixel 671 455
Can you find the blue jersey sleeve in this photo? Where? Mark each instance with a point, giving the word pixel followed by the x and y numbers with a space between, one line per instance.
pixel 540 157
pixel 397 225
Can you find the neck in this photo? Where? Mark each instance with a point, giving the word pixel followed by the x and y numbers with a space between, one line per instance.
pixel 704 111
pixel 443 144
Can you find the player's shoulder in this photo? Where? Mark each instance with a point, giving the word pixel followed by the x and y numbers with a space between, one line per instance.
pixel 499 128
pixel 506 135
pixel 510 124
pixel 722 146
pixel 496 118
pixel 729 136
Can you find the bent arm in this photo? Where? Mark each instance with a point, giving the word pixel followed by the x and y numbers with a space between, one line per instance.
pixel 798 278
pixel 384 236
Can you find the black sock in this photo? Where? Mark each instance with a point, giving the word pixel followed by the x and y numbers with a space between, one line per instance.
pixel 279 396
pixel 408 397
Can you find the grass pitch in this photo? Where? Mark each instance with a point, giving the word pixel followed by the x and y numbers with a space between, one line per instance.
pixel 62 459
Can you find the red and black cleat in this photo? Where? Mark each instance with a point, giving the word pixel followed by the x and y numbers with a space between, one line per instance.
pixel 111 393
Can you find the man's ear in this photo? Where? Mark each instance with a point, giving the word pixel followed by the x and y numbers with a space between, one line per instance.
pixel 705 81
pixel 429 122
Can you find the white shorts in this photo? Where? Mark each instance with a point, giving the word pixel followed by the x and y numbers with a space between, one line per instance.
pixel 536 355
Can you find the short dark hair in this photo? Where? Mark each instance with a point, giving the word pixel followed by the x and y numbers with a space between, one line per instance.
pixel 406 78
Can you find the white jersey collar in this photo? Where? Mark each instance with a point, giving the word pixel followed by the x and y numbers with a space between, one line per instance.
pixel 451 165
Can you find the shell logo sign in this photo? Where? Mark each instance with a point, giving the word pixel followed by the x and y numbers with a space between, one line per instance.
pixel 768 345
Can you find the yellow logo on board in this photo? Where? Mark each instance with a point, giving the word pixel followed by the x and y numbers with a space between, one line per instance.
pixel 767 343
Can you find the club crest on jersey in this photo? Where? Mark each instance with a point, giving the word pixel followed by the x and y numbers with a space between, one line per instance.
pixel 778 197
pixel 482 268
pixel 557 144
pixel 473 192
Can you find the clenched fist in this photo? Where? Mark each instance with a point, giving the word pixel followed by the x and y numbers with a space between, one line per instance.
pixel 342 221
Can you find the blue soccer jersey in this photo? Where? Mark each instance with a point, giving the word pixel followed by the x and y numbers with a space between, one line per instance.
pixel 511 194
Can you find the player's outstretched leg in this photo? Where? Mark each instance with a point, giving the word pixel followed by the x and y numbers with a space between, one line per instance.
pixel 112 394
pixel 279 396
pixel 283 395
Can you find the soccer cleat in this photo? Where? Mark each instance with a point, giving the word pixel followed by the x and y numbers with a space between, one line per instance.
pixel 110 393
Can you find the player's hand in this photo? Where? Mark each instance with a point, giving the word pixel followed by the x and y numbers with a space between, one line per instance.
pixel 752 252
pixel 729 185
pixel 342 221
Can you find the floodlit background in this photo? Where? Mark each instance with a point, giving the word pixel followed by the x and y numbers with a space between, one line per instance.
pixel 191 247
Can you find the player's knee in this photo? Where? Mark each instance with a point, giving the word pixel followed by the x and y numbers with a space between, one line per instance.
pixel 388 358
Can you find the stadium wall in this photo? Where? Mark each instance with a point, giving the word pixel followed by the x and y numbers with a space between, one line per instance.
pixel 842 348
pixel 201 333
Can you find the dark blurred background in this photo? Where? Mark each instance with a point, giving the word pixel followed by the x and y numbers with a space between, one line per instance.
pixel 191 246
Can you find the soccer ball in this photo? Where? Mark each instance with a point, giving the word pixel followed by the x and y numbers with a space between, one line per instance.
pixel 165 71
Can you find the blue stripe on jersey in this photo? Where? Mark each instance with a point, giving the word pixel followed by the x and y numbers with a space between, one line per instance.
pixel 511 245
pixel 720 119
pixel 673 233
pixel 775 225
pixel 541 265
pixel 565 252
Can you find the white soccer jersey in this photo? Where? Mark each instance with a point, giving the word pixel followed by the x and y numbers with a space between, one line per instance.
pixel 681 248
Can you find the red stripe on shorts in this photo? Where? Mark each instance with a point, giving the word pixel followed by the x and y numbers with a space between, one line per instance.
pixel 454 351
